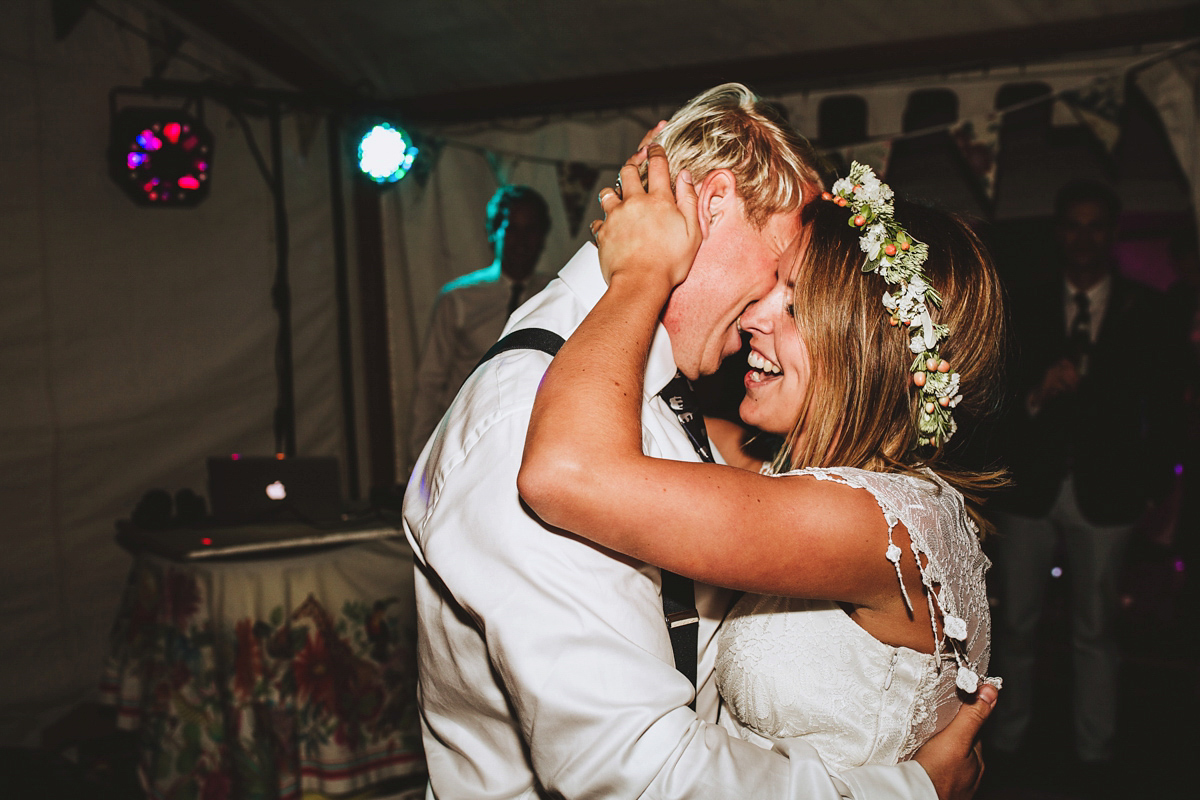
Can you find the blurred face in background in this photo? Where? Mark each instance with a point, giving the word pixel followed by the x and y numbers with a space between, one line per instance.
pixel 519 239
pixel 1086 232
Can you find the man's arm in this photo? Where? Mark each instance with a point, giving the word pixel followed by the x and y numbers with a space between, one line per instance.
pixel 576 637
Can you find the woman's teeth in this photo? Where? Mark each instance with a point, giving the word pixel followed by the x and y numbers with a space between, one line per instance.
pixel 758 363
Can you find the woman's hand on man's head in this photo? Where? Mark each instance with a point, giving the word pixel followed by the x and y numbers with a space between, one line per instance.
pixel 649 233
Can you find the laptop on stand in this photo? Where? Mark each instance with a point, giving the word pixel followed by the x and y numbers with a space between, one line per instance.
pixel 262 506
pixel 249 490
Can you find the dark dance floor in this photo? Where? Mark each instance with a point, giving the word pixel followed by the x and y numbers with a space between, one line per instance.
pixel 1158 750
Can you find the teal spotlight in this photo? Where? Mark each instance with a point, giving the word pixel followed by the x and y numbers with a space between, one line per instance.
pixel 385 153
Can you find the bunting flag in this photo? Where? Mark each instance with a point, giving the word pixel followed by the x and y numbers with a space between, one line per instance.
pixel 978 140
pixel 66 15
pixel 576 182
pixel 307 125
pixel 1098 106
pixel 429 150
pixel 874 154
pixel 502 165
pixel 164 42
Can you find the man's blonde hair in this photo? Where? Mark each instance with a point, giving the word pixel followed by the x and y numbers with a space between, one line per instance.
pixel 730 127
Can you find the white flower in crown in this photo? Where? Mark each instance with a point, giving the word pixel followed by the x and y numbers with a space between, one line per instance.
pixel 874 191
pixel 924 335
pixel 872 240
pixel 943 384
pixel 897 258
pixel 843 186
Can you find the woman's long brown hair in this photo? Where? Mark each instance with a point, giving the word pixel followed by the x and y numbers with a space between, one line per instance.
pixel 861 408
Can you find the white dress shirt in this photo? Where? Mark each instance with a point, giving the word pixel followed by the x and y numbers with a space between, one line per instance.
pixel 545 666
pixel 467 319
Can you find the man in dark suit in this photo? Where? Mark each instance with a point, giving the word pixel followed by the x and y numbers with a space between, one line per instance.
pixel 1090 448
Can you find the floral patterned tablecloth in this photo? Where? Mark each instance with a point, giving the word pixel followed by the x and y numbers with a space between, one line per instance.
pixel 272 677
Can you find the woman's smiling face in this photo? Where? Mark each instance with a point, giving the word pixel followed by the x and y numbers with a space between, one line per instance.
pixel 780 368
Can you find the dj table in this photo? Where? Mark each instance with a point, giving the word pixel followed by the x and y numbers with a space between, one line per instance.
pixel 272 671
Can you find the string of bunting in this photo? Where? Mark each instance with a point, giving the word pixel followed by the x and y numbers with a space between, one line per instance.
pixel 1096 104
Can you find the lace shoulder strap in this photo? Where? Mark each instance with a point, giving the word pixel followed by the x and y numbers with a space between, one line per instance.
pixel 944 542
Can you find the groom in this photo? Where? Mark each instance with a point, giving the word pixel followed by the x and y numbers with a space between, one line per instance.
pixel 546 666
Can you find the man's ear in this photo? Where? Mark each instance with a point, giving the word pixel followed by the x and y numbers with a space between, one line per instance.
pixel 716 199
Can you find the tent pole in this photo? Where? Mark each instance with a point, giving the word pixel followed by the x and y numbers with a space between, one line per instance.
pixel 281 293
pixel 342 284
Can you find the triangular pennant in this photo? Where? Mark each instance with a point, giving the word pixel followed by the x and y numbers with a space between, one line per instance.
pixel 978 141
pixel 307 125
pixel 874 154
pixel 1107 131
pixel 502 166
pixel 164 42
pixel 66 15
pixel 1098 106
pixel 576 182
pixel 429 150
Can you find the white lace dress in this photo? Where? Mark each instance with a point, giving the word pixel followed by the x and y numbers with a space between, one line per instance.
pixel 791 667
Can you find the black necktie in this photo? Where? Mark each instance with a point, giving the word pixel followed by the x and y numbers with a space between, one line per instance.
pixel 679 595
pixel 1081 332
pixel 514 299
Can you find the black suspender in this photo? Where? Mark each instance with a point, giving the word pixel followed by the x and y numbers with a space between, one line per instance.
pixel 678 592
pixel 524 339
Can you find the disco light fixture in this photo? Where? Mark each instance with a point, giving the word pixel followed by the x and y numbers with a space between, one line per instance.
pixel 385 153
pixel 160 156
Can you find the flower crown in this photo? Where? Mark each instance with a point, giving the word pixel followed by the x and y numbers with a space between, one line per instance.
pixel 897 258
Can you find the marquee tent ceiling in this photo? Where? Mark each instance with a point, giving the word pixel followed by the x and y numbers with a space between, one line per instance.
pixel 456 60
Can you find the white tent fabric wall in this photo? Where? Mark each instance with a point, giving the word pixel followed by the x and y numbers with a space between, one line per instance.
pixel 134 342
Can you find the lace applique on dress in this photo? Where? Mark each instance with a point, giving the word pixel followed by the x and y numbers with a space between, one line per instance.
pixel 793 667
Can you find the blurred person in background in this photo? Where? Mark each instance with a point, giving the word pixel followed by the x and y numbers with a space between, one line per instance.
pixel 471 310
pixel 1092 427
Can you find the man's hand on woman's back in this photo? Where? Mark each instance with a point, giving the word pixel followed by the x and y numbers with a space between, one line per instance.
pixel 952 759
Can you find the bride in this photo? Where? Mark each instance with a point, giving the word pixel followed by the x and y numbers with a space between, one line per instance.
pixel 865 621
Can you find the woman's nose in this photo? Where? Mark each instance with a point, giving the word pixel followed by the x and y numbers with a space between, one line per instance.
pixel 759 315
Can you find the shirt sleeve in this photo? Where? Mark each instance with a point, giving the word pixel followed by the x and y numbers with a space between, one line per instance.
pixel 576 637
pixel 433 371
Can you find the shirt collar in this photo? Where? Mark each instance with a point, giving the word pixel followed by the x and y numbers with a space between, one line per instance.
pixel 582 274
pixel 1097 295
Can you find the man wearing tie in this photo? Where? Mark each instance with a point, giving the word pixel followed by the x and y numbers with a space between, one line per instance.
pixel 1092 422
pixel 471 310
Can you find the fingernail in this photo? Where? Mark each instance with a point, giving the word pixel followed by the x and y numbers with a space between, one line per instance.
pixel 685 176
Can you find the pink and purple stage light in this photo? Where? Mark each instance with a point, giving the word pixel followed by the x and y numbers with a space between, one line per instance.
pixel 160 157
